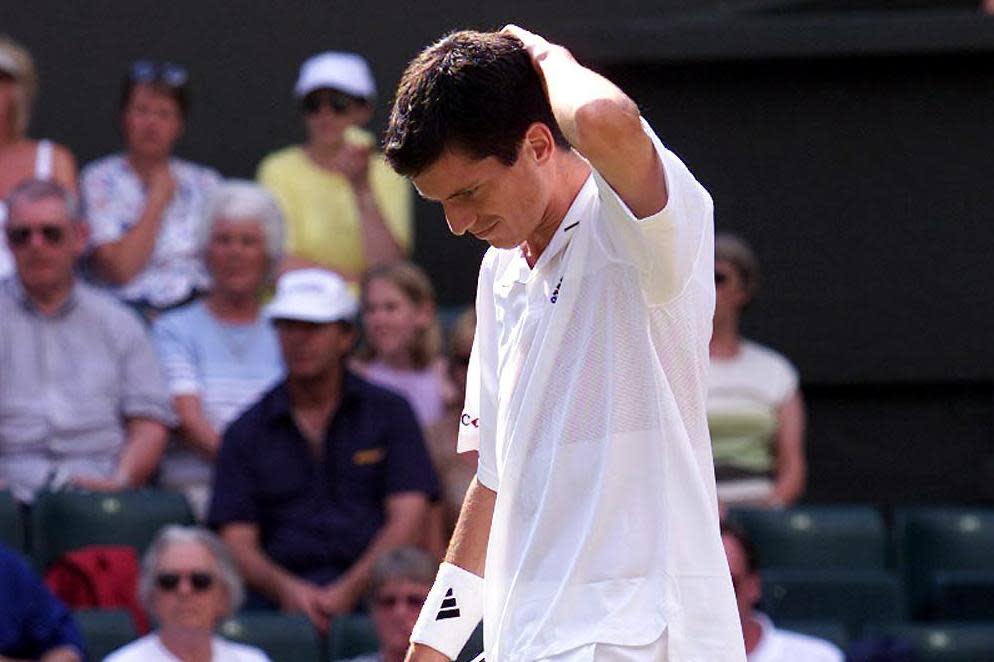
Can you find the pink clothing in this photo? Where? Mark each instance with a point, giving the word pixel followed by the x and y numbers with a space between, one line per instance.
pixel 424 390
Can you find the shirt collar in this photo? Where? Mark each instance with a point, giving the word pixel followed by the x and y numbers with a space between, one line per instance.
pixel 281 407
pixel 519 271
pixel 767 647
pixel 19 294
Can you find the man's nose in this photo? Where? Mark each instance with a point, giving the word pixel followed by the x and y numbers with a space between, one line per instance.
pixel 459 220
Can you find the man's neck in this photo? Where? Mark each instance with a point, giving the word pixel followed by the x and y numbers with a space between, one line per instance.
pixel 50 300
pixel 572 173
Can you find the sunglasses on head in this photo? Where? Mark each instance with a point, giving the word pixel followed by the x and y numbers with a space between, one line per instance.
pixel 169 581
pixel 21 236
pixel 410 600
pixel 148 71
pixel 339 102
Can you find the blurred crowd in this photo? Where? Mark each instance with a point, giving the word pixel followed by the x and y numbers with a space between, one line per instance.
pixel 267 349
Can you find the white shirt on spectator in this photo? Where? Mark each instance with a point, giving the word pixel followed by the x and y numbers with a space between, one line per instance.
pixel 150 649
pixel 783 646
pixel 585 398
pixel 114 198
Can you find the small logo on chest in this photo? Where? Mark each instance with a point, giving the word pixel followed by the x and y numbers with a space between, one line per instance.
pixel 555 293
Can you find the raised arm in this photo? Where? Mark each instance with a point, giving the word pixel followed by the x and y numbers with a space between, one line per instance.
pixel 601 122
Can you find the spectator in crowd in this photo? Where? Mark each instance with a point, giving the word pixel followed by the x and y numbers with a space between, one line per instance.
pixel 34 625
pixel 353 476
pixel 755 410
pixel 398 585
pixel 403 339
pixel 763 641
pixel 189 585
pixel 455 470
pixel 219 353
pixel 345 209
pixel 145 206
pixel 82 399
pixel 20 157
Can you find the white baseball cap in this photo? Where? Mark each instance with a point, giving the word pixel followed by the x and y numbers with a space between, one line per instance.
pixel 347 72
pixel 312 295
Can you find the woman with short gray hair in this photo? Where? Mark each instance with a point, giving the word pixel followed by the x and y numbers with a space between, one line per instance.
pixel 189 585
pixel 218 353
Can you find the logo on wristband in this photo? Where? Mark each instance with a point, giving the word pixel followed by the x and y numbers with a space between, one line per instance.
pixel 449 607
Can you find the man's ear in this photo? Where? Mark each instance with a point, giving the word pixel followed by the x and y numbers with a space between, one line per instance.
pixel 539 143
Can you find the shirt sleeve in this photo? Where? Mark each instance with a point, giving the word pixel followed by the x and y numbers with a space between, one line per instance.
pixel 666 246
pixel 144 393
pixel 232 496
pixel 409 467
pixel 478 422
pixel 174 345
pixel 97 190
pixel 47 623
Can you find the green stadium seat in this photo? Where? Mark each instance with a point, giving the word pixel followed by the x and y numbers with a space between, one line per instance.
pixel 823 537
pixel 935 539
pixel 944 642
pixel 964 595
pixel 284 637
pixel 11 527
pixel 351 636
pixel 852 597
pixel 834 631
pixel 104 630
pixel 63 521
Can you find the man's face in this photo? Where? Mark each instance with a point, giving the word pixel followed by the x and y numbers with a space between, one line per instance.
pixel 748 585
pixel 395 611
pixel 153 122
pixel 45 243
pixel 312 350
pixel 503 205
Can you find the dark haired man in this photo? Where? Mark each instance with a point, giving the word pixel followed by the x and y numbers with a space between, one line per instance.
pixel 763 641
pixel 594 508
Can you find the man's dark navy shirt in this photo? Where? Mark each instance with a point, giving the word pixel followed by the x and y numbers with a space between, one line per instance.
pixel 32 620
pixel 317 516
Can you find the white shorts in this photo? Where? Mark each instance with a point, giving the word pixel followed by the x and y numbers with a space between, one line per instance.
pixel 654 652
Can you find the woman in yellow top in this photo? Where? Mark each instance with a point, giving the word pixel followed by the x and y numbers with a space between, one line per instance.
pixel 345 209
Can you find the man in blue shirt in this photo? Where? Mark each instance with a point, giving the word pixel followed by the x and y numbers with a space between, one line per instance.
pixel 326 472
pixel 33 624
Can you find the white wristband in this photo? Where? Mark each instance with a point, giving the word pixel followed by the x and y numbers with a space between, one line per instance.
pixel 451 612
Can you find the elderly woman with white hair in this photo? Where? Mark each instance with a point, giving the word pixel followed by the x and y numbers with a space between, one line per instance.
pixel 219 353
pixel 189 585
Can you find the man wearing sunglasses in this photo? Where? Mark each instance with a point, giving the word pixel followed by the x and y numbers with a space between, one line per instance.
pixel 345 209
pixel 82 400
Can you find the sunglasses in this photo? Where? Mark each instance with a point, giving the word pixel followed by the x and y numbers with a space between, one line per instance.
pixel 720 278
pixel 411 600
pixel 21 236
pixel 169 581
pixel 339 102
pixel 148 71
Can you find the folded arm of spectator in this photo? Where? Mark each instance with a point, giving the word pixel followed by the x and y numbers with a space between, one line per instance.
pixel 263 575
pixel 407 514
pixel 194 428
pixel 121 260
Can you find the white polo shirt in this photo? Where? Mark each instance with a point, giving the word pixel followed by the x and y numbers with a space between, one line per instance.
pixel 783 646
pixel 586 400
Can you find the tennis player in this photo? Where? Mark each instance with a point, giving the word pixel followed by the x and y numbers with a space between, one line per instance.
pixel 591 529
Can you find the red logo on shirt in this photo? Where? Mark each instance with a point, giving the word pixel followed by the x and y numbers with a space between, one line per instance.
pixel 468 420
